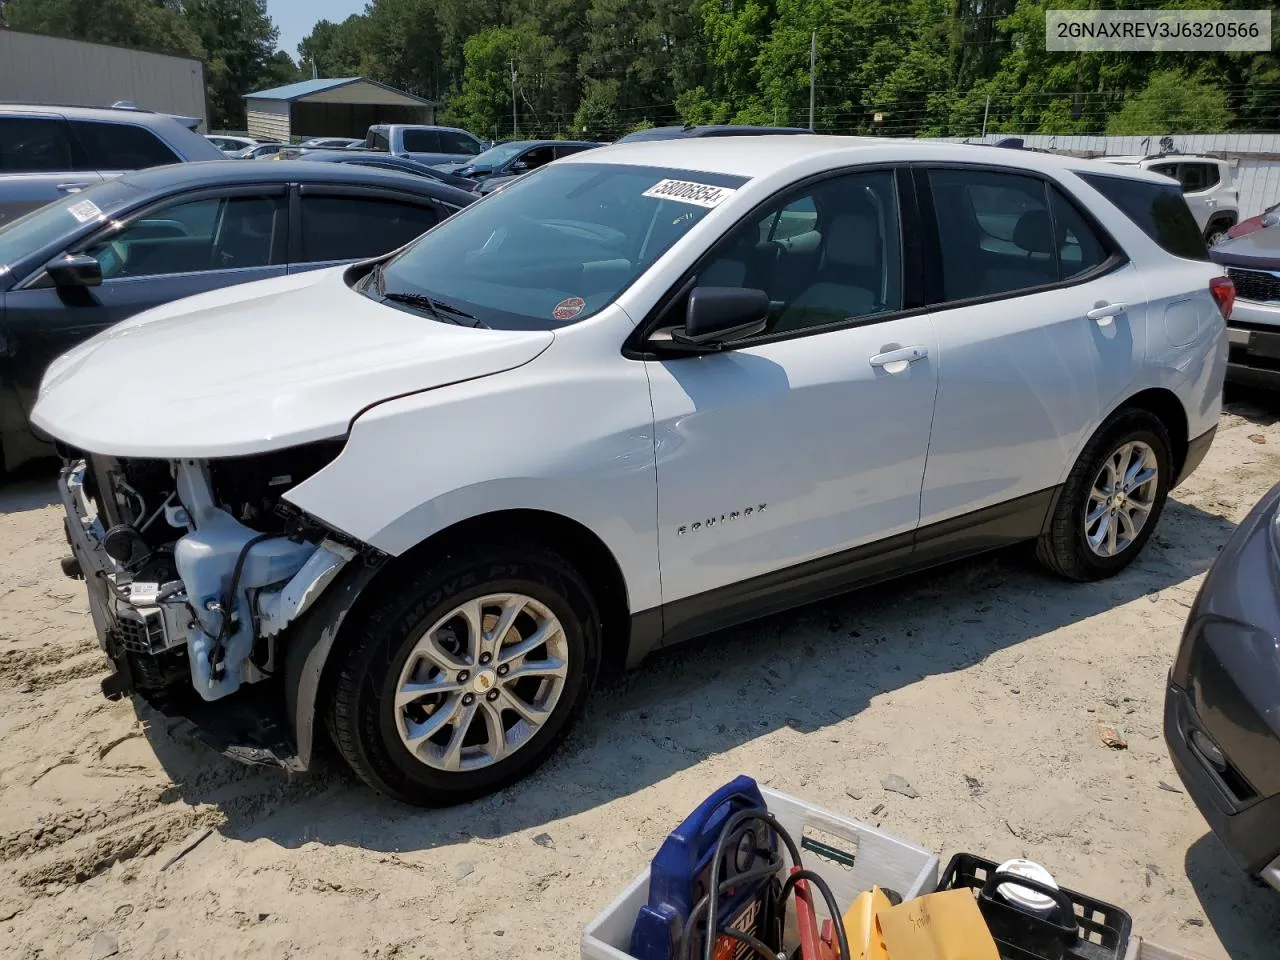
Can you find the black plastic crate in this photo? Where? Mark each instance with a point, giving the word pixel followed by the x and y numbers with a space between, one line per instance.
pixel 1102 930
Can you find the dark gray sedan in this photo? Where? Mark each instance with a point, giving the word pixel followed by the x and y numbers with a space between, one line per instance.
pixel 1222 709
pixel 90 260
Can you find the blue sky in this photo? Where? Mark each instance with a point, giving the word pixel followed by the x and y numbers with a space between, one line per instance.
pixel 295 18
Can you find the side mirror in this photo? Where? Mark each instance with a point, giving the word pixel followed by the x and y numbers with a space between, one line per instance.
pixel 718 315
pixel 74 270
pixel 1271 219
pixel 520 166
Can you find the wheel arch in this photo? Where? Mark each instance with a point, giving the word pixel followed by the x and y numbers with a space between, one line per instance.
pixel 1164 404
pixel 309 651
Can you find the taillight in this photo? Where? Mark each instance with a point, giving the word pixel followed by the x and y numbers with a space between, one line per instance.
pixel 1223 292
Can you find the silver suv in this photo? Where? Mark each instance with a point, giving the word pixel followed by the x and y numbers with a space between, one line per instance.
pixel 47 152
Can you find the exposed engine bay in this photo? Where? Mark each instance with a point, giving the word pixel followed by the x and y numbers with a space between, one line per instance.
pixel 195 567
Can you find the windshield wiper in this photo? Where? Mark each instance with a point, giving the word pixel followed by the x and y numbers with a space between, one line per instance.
pixel 437 308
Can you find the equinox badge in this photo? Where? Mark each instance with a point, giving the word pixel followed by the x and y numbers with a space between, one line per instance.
pixel 723 518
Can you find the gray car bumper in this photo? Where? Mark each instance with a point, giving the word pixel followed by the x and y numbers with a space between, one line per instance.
pixel 1254 337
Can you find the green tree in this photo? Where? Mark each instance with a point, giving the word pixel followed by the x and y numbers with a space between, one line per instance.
pixel 483 104
pixel 133 23
pixel 402 46
pixel 336 49
pixel 240 41
pixel 1172 102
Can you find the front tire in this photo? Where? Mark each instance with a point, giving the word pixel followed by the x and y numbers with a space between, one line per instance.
pixel 1112 499
pixel 467 676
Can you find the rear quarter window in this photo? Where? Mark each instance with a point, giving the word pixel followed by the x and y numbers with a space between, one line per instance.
pixel 1158 209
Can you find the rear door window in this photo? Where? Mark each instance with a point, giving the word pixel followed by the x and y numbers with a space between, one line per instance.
pixel 119 146
pixel 34 145
pixel 336 227
pixel 422 141
pixel 377 140
pixel 1158 209
pixel 1196 177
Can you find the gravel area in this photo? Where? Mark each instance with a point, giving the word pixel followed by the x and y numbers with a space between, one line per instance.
pixel 982 685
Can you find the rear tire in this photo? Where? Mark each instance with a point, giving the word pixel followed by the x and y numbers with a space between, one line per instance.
pixel 436 702
pixel 1079 543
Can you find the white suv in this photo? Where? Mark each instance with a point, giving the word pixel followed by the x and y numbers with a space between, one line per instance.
pixel 646 392
pixel 1207 184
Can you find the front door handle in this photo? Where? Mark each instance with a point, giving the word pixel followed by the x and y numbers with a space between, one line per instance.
pixel 1104 313
pixel 72 187
pixel 895 361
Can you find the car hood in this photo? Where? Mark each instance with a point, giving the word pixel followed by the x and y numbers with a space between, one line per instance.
pixel 258 367
pixel 1259 250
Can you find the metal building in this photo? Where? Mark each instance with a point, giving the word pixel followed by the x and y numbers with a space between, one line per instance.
pixel 39 69
pixel 341 107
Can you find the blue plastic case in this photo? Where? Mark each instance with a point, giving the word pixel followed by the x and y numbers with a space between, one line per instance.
pixel 678 876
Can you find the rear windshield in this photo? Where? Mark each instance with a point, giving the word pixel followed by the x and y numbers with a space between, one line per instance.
pixel 1158 208
pixel 64 217
pixel 554 247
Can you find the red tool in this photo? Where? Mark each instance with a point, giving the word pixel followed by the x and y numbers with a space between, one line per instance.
pixel 812 945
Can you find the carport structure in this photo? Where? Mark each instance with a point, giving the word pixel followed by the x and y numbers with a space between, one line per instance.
pixel 341 107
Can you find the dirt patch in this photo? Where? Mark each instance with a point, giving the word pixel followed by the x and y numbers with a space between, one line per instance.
pixel 981 686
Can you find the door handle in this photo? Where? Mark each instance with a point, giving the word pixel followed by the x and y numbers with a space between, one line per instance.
pixel 1104 313
pixel 895 361
pixel 72 187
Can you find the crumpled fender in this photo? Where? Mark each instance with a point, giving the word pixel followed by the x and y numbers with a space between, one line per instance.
pixel 307 648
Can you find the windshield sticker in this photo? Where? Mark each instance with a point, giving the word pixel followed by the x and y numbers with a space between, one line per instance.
pixel 686 191
pixel 84 211
pixel 569 308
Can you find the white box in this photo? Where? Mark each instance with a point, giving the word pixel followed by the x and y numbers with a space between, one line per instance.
pixel 879 858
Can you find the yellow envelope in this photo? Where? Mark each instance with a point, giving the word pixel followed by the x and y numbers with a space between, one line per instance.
pixel 860 925
pixel 938 926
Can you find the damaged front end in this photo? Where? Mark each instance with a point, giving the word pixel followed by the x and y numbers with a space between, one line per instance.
pixel 199 576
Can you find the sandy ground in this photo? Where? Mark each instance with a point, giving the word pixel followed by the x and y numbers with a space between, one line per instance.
pixel 982 684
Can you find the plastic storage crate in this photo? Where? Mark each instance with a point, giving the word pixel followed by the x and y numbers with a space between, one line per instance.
pixel 878 858
pixel 1102 930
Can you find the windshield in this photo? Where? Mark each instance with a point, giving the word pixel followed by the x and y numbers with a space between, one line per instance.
pixel 49 224
pixel 495 157
pixel 554 247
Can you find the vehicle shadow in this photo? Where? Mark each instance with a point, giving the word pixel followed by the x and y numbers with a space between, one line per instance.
pixel 19 494
pixel 805 669
pixel 1244 916
pixel 1257 406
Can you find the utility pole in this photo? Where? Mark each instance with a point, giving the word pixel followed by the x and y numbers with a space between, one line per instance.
pixel 515 121
pixel 985 114
pixel 813 71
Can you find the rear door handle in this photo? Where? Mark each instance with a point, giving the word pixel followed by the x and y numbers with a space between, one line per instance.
pixel 72 187
pixel 895 361
pixel 1104 313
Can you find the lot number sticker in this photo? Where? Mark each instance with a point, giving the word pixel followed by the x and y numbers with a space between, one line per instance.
pixel 686 191
pixel 84 211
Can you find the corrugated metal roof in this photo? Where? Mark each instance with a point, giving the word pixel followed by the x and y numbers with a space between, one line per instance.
pixel 307 88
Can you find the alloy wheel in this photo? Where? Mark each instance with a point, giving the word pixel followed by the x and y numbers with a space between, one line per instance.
pixel 481 682
pixel 1121 498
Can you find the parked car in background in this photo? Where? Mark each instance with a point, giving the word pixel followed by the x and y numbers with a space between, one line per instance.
pixel 640 394
pixel 331 143
pixel 1269 217
pixel 709 130
pixel 231 144
pixel 507 160
pixel 260 151
pixel 1253 264
pixel 83 263
pixel 386 161
pixel 1208 185
pixel 48 153
pixel 1222 706
pixel 426 143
